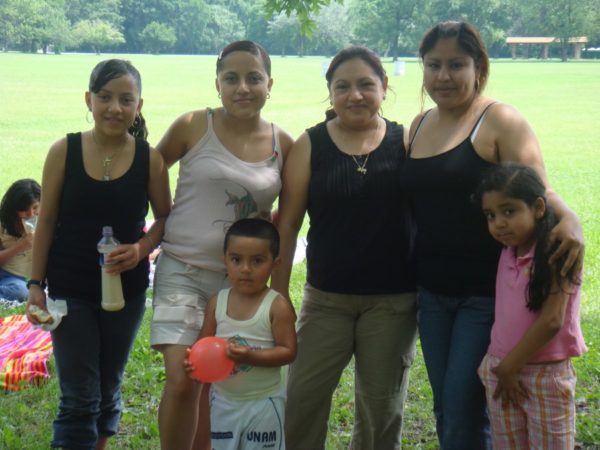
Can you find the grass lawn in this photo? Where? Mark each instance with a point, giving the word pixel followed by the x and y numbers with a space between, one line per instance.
pixel 41 98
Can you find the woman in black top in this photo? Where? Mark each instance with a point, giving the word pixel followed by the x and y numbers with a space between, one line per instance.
pixel 104 176
pixel 452 145
pixel 359 299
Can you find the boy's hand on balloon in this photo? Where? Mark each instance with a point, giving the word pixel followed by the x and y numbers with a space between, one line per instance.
pixel 238 353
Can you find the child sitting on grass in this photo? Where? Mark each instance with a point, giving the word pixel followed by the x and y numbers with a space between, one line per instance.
pixel 247 409
pixel 19 204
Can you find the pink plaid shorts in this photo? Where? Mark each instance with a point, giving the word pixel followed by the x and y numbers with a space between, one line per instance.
pixel 546 420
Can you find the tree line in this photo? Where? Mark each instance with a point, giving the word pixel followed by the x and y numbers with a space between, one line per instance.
pixel 300 27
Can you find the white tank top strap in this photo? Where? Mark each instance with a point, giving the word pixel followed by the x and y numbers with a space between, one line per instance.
pixel 473 134
pixel 264 308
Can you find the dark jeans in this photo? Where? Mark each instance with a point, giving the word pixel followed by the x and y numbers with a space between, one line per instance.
pixel 91 347
pixel 455 334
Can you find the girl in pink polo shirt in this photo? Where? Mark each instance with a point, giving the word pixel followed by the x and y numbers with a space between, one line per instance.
pixel 527 372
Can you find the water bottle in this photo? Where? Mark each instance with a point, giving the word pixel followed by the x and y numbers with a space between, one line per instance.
pixel 112 289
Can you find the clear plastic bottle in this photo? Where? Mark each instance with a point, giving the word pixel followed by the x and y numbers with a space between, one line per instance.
pixel 112 289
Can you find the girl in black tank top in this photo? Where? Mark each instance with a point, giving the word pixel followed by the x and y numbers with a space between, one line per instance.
pixel 105 176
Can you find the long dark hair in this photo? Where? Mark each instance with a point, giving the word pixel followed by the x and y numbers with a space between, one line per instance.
pixel 523 183
pixel 19 197
pixel 361 52
pixel 110 69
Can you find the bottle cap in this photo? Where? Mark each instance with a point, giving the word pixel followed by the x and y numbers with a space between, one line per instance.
pixel 107 230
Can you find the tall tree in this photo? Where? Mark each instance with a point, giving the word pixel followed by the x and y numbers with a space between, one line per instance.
pixel 491 17
pixel 24 19
pixel 385 25
pixel 106 10
pixel 139 13
pixel 98 34
pixel 302 9
pixel 285 34
pixel 190 24
pixel 333 30
pixel 158 37
pixel 55 29
pixel 222 28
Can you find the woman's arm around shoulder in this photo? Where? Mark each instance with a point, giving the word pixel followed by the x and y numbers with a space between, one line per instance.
pixel 292 206
pixel 182 135
pixel 52 184
pixel 514 140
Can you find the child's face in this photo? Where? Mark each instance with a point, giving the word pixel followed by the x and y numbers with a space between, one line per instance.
pixel 30 212
pixel 512 221
pixel 249 263
pixel 115 106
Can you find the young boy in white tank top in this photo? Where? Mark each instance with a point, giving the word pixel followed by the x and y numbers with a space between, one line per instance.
pixel 247 408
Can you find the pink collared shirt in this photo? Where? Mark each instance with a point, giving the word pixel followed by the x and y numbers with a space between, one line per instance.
pixel 513 318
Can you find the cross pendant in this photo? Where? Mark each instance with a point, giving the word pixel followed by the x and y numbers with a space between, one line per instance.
pixel 361 170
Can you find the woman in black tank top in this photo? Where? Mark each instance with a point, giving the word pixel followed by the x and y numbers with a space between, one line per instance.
pixel 451 146
pixel 105 176
pixel 359 300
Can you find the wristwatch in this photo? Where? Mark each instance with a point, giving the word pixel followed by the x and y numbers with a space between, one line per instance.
pixel 39 283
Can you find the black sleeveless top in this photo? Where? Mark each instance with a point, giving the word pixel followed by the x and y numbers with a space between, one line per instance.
pixel 360 239
pixel 86 205
pixel 456 254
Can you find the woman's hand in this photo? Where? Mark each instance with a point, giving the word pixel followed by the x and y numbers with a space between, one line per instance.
pixel 569 234
pixel 124 257
pixel 36 299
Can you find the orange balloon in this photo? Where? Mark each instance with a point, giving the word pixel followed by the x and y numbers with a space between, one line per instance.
pixel 209 358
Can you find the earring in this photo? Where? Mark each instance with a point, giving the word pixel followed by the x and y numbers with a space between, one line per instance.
pixel 219 95
pixel 136 122
pixel 268 95
pixel 477 85
pixel 87 117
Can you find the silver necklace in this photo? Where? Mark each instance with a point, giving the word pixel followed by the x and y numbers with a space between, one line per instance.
pixel 107 160
pixel 362 168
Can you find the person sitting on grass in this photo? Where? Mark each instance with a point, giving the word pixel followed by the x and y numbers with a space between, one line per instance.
pixel 259 324
pixel 19 204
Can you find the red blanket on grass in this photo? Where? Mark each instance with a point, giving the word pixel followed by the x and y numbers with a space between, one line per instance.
pixel 24 353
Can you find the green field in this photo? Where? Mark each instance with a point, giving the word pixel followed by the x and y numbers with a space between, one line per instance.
pixel 42 98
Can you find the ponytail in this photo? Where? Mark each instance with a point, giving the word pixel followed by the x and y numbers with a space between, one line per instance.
pixel 543 273
pixel 138 128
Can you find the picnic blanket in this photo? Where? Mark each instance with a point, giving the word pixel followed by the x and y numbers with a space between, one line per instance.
pixel 24 353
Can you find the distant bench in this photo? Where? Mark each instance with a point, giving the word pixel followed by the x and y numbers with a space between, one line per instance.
pixel 577 42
